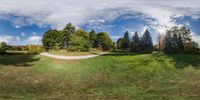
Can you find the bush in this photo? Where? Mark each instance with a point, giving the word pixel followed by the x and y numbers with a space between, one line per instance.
pixel 79 43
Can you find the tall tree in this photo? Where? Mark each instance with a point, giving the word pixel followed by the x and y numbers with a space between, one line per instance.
pixel 82 33
pixel 126 41
pixel 3 47
pixel 119 43
pixel 135 44
pixel 178 39
pixel 93 38
pixel 104 41
pixel 52 39
pixel 68 30
pixel 168 42
pixel 147 42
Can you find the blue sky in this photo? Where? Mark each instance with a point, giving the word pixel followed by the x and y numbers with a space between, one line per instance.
pixel 24 21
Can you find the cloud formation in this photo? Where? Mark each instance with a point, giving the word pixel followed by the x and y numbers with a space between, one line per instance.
pixel 6 38
pixel 34 40
pixel 160 14
pixel 59 12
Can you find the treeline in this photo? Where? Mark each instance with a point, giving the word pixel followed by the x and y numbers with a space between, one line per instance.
pixel 26 49
pixel 73 39
pixel 176 40
pixel 136 43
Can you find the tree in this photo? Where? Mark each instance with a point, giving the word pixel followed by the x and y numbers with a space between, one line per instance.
pixel 79 43
pixel 3 47
pixel 93 38
pixel 135 44
pixel 119 43
pixel 161 42
pixel 126 41
pixel 82 33
pixel 104 41
pixel 67 32
pixel 168 42
pixel 178 39
pixel 147 42
pixel 52 39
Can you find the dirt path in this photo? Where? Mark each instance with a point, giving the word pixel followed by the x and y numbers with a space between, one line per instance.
pixel 71 57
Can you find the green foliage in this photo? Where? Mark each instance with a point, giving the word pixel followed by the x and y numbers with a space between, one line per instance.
pixel 119 43
pixel 34 49
pixel 83 34
pixel 68 30
pixel 135 43
pixel 126 41
pixel 52 39
pixel 73 40
pixel 93 38
pixel 146 42
pixel 178 40
pixel 104 41
pixel 3 47
pixel 79 43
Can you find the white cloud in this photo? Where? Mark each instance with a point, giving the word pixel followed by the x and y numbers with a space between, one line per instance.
pixel 33 40
pixel 17 26
pixel 18 38
pixel 34 33
pixel 115 37
pixel 6 38
pixel 23 34
pixel 195 37
pixel 160 14
pixel 56 13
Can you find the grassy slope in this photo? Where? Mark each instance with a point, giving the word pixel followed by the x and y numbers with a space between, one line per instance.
pixel 113 76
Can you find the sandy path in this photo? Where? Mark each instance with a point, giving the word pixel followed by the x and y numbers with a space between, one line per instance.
pixel 71 57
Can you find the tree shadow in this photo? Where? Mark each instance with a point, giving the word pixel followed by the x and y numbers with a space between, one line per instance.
pixel 181 60
pixel 121 53
pixel 18 60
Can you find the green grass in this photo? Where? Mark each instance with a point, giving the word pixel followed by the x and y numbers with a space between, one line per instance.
pixel 75 53
pixel 117 75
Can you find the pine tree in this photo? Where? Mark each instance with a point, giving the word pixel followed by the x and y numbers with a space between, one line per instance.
pixel 119 43
pixel 135 44
pixel 126 41
pixel 147 42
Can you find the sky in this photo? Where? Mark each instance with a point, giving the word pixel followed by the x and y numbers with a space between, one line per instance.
pixel 25 21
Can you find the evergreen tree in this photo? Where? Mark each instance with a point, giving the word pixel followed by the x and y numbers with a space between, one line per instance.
pixel 147 42
pixel 119 43
pixel 67 32
pixel 126 41
pixel 135 44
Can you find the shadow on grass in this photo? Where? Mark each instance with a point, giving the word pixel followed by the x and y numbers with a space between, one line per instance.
pixel 121 53
pixel 181 60
pixel 184 60
pixel 17 60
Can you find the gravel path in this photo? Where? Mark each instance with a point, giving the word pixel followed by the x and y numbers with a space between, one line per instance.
pixel 71 57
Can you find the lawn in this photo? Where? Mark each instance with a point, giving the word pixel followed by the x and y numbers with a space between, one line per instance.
pixel 116 75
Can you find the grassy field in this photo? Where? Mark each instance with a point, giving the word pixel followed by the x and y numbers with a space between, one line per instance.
pixel 75 53
pixel 116 75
